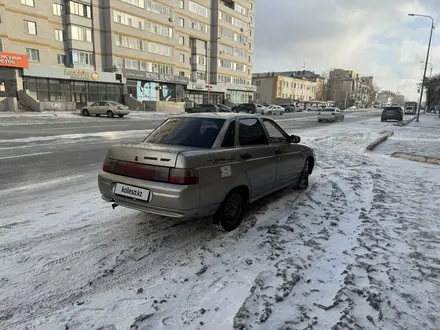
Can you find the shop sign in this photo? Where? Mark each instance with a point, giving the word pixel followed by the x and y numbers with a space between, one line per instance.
pixel 14 60
pixel 153 76
pixel 81 74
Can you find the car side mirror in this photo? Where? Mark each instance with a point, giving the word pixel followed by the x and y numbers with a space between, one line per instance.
pixel 295 139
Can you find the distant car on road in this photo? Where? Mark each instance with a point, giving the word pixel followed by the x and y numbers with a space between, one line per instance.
pixel 223 108
pixel 352 107
pixel 288 107
pixel 108 108
pixel 330 114
pixel 313 108
pixel 205 164
pixel 273 110
pixel 393 113
pixel 250 108
pixel 203 108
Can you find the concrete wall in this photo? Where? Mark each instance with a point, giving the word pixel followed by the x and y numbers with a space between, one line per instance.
pixel 57 106
pixel 8 104
pixel 165 106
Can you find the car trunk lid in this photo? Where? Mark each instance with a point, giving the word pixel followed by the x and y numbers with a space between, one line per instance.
pixel 147 153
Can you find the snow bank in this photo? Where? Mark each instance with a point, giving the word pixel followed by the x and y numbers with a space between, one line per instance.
pixel 358 249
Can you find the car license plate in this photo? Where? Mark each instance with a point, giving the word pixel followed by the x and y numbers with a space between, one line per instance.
pixel 133 192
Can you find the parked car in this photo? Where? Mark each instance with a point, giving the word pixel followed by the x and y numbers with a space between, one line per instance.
pixel 330 114
pixel 203 108
pixel 248 108
pixel 108 108
pixel 205 165
pixel 353 107
pixel 273 110
pixel 313 109
pixel 289 107
pixel 394 113
pixel 299 108
pixel 223 108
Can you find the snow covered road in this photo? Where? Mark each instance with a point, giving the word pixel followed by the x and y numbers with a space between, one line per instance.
pixel 358 250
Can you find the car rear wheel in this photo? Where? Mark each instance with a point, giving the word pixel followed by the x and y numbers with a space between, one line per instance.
pixel 319 121
pixel 110 114
pixel 98 115
pixel 231 211
pixel 120 116
pixel 269 113
pixel 86 113
pixel 251 111
pixel 303 181
pixel 281 113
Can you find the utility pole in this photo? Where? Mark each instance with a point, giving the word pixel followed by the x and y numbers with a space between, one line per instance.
pixel 426 64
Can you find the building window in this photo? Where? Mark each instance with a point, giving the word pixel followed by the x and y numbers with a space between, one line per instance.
pixel 129 42
pixel 1 45
pixel 137 3
pixel 198 9
pixel 129 20
pixel 159 8
pixel 161 68
pixel 30 27
pixel 81 33
pixel 160 49
pixel 182 58
pixel 181 40
pixel 181 74
pixel 28 3
pixel 182 22
pixel 61 58
pixel 33 54
pixel 201 27
pixel 240 9
pixel 80 9
pixel 82 58
pixel 59 35
pixel 160 29
pixel 182 4
pixel 251 4
pixel 250 19
pixel 57 9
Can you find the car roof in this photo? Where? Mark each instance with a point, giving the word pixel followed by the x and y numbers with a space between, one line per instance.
pixel 219 115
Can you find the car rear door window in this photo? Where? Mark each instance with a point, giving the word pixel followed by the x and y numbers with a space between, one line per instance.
pixel 189 132
pixel 251 132
pixel 276 134
pixel 229 139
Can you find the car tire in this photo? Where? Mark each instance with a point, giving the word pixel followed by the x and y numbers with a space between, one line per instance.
pixel 342 118
pixel 303 181
pixel 281 113
pixel 319 121
pixel 251 112
pixel 85 113
pixel 121 116
pixel 269 113
pixel 230 213
pixel 98 115
pixel 110 114
pixel 189 111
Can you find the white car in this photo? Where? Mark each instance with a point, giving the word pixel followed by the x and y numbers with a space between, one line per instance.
pixel 260 107
pixel 330 115
pixel 314 108
pixel 273 110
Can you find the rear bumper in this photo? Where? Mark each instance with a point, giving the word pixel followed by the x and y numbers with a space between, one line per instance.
pixel 328 118
pixel 121 112
pixel 166 199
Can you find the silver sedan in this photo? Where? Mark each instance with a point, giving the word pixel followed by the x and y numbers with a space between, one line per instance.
pixel 330 114
pixel 108 108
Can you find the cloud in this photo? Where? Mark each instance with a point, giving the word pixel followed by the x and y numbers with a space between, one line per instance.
pixel 374 37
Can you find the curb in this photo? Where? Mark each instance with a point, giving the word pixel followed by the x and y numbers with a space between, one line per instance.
pixel 416 158
pixel 405 122
pixel 378 141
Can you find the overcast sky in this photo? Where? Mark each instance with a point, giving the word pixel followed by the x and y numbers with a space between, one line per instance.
pixel 372 37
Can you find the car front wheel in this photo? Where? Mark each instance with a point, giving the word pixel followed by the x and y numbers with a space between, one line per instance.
pixel 86 113
pixel 231 211
pixel 303 181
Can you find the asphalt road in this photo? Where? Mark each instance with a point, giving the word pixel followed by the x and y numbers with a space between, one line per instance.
pixel 36 153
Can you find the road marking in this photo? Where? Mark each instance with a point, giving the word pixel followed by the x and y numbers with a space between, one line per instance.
pixel 76 127
pixel 25 155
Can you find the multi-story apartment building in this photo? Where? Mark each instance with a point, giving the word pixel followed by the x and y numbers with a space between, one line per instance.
pixel 348 88
pixel 280 87
pixel 154 50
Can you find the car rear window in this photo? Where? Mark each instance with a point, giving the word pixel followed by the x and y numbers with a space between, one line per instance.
pixel 392 109
pixel 188 132
pixel 328 110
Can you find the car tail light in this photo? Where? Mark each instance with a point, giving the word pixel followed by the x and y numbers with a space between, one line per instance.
pixel 106 165
pixel 120 108
pixel 183 176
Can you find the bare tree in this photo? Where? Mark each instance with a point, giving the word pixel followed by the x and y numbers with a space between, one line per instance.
pixel 432 86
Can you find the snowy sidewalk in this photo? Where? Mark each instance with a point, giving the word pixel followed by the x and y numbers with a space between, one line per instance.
pixel 357 250
pixel 419 138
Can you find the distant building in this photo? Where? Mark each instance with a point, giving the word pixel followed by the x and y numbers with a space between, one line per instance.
pixel 310 76
pixel 280 87
pixel 349 88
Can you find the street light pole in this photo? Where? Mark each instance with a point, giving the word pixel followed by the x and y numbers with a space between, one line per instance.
pixel 426 62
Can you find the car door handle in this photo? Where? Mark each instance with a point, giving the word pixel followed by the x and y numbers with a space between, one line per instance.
pixel 246 155
pixel 278 151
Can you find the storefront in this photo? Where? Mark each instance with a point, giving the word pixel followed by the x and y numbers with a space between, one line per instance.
pixel 198 93
pixel 151 86
pixel 52 84
pixel 240 93
pixel 9 65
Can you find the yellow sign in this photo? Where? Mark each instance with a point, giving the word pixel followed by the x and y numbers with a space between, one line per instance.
pixel 81 74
